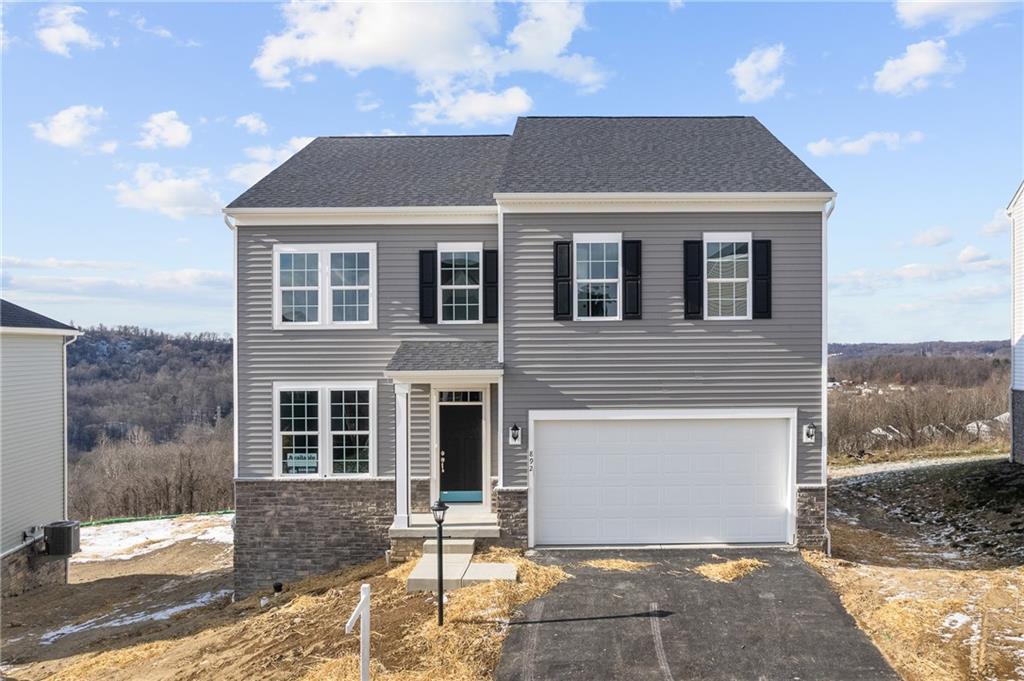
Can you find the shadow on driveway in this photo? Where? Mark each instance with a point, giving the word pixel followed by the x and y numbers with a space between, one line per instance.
pixel 668 623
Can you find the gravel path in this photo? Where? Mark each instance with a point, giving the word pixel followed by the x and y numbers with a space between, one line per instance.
pixel 893 466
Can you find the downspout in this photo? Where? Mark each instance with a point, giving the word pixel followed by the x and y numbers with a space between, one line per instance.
pixel 229 221
pixel 68 340
pixel 824 363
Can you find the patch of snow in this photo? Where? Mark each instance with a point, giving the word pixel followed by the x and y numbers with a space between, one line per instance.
pixel 122 541
pixel 956 620
pixel 133 618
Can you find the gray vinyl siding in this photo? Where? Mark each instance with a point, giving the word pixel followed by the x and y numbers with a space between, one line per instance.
pixel 419 431
pixel 32 427
pixel 663 360
pixel 266 355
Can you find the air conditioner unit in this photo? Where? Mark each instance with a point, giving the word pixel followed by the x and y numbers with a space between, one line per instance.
pixel 61 537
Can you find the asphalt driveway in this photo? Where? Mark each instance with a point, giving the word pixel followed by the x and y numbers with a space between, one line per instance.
pixel 668 623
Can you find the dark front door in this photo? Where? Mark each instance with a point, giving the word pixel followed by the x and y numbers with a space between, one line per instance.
pixel 461 434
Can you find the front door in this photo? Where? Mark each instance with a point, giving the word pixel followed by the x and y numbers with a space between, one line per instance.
pixel 460 429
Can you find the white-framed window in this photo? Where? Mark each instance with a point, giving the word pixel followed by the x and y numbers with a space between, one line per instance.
pixel 325 430
pixel 597 276
pixel 460 283
pixel 727 287
pixel 325 286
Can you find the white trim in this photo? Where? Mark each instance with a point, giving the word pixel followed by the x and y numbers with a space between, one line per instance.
pixel 500 425
pixel 309 478
pixel 375 215
pixel 442 376
pixel 501 287
pixel 64 400
pixel 461 247
pixel 485 435
pixel 823 426
pixel 324 431
pixel 234 345
pixel 36 331
pixel 729 237
pixel 325 307
pixel 661 202
pixel 402 455
pixel 596 238
pixel 535 415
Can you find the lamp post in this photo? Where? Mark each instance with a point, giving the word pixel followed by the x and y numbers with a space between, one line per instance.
pixel 437 509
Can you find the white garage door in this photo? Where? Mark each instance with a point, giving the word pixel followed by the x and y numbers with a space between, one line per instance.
pixel 671 481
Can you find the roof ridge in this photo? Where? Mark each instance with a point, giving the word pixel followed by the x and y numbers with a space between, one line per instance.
pixel 637 117
pixel 359 137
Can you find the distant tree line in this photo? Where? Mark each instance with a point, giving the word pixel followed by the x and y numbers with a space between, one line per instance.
pixel 950 371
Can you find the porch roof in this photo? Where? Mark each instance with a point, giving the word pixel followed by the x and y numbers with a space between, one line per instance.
pixel 459 358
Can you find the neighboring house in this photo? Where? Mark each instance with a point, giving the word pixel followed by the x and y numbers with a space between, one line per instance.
pixel 1016 212
pixel 33 443
pixel 592 331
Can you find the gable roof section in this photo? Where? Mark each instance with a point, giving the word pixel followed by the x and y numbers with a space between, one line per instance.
pixel 651 154
pixel 429 356
pixel 365 172
pixel 17 317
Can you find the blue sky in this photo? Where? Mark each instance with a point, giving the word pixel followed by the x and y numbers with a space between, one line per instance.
pixel 127 127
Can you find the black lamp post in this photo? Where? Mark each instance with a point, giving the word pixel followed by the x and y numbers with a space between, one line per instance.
pixel 438 508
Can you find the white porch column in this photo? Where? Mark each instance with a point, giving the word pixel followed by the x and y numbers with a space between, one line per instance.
pixel 401 455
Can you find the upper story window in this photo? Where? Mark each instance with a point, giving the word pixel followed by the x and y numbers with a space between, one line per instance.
pixel 324 430
pixel 598 275
pixel 325 285
pixel 459 266
pixel 727 275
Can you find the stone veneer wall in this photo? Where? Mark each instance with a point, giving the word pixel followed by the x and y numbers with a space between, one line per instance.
pixel 290 529
pixel 510 503
pixel 810 518
pixel 1017 426
pixel 21 572
pixel 419 495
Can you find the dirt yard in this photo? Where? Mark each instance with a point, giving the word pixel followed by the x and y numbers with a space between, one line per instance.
pixel 928 559
pixel 152 602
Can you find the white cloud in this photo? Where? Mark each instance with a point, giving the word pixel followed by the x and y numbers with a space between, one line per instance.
pixel 673 5
pixel 957 17
pixel 15 262
pixel 865 282
pixel 70 127
pixel 864 144
pixel 977 294
pixel 161 190
pixel 253 123
pixel 165 129
pixel 916 68
pixel 999 223
pixel 139 22
pixel 108 147
pixel 936 236
pixel 972 254
pixel 366 101
pixel 450 49
pixel 264 159
pixel 58 30
pixel 757 75
pixel 203 286
pixel 472 106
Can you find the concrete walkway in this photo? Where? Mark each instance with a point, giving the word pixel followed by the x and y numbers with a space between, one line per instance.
pixel 668 623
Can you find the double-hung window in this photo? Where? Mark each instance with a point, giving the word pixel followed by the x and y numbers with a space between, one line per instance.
pixel 598 276
pixel 324 430
pixel 325 285
pixel 461 279
pixel 727 275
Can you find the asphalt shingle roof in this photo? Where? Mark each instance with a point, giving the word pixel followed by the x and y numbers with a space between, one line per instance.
pixel 363 172
pixel 645 154
pixel 544 154
pixel 16 316
pixel 445 356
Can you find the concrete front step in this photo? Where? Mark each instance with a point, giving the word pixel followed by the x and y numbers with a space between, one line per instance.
pixel 477 573
pixel 450 531
pixel 424 576
pixel 451 546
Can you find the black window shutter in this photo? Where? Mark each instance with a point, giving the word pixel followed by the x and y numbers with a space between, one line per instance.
pixel 762 279
pixel 563 280
pixel 490 286
pixel 428 287
pixel 693 279
pixel 631 288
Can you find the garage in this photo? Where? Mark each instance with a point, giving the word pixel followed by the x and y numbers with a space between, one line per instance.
pixel 669 477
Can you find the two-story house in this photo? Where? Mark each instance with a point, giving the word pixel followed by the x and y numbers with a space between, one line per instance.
pixel 593 331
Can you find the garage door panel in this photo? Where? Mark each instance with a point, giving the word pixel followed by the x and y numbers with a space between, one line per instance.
pixel 661 481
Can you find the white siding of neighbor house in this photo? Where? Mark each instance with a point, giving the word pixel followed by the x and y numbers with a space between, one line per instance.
pixel 266 354
pixel 1017 229
pixel 663 360
pixel 31 433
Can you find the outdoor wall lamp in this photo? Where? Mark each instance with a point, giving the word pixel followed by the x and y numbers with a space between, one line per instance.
pixel 437 509
pixel 514 434
pixel 810 433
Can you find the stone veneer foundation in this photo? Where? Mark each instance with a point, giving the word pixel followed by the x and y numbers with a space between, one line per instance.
pixel 811 518
pixel 21 572
pixel 1017 426
pixel 291 529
